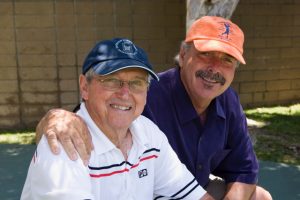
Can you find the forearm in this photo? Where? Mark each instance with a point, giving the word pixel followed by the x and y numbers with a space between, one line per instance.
pixel 237 190
pixel 207 197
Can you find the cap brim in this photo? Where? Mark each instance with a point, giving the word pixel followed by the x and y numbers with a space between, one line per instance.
pixel 215 45
pixel 111 66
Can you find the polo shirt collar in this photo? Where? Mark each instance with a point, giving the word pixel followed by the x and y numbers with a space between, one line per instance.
pixel 138 133
pixel 183 104
pixel 101 142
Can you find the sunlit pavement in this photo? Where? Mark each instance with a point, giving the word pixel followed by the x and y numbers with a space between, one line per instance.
pixel 283 181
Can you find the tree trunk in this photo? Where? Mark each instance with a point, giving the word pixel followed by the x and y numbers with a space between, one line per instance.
pixel 199 8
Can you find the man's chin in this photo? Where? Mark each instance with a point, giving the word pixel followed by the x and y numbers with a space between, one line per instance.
pixel 207 93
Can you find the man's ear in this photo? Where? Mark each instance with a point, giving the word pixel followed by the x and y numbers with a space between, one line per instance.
pixel 83 85
pixel 181 56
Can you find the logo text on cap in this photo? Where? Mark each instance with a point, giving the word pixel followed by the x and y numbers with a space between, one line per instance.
pixel 126 46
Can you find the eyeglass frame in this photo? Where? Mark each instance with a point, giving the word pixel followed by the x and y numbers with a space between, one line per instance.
pixel 119 83
pixel 90 74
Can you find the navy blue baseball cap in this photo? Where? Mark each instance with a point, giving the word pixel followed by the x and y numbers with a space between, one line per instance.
pixel 110 56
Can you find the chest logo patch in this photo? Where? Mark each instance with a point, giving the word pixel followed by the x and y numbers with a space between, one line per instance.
pixel 142 173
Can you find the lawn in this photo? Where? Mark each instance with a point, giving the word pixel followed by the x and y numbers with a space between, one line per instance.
pixel 17 137
pixel 278 140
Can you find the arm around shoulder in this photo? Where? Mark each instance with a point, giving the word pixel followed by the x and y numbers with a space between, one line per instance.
pixel 67 128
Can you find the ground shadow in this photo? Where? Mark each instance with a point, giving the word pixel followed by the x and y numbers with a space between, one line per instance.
pixel 15 160
pixel 283 181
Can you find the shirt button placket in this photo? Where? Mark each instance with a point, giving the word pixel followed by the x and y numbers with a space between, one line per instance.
pixel 199 167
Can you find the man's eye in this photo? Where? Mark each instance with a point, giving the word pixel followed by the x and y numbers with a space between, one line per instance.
pixel 111 80
pixel 136 82
pixel 229 60
pixel 204 54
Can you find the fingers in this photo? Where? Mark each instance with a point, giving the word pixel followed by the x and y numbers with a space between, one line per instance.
pixel 67 143
pixel 89 141
pixel 84 154
pixel 70 130
pixel 42 127
pixel 52 141
pixel 57 126
pixel 83 141
pixel 87 138
pixel 66 131
pixel 45 126
pixel 74 137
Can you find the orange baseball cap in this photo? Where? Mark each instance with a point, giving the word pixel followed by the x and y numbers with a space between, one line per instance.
pixel 210 33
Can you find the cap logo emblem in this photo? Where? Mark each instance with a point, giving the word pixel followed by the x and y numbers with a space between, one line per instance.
pixel 226 31
pixel 126 46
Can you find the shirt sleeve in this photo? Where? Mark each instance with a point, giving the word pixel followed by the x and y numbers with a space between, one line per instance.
pixel 172 178
pixel 56 177
pixel 240 165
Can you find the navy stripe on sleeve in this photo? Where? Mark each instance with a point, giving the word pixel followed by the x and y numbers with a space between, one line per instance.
pixel 182 191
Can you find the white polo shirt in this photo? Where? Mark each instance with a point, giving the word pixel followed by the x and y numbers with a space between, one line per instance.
pixel 152 170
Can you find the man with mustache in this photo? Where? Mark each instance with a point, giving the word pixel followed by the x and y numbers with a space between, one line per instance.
pixel 194 105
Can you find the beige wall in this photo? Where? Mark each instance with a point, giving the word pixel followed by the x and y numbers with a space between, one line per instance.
pixel 272 50
pixel 43 44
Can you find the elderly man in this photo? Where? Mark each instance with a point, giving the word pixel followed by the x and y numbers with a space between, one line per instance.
pixel 194 105
pixel 132 158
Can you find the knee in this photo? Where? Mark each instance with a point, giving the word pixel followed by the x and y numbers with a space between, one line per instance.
pixel 261 194
pixel 266 195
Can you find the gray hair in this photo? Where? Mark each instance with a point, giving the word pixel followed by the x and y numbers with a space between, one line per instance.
pixel 90 74
pixel 185 46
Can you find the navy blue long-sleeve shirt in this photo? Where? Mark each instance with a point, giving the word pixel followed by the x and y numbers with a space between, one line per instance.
pixel 221 146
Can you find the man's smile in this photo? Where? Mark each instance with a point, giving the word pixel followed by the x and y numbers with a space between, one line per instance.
pixel 119 107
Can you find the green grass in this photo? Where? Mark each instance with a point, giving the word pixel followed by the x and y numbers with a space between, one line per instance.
pixel 17 137
pixel 279 140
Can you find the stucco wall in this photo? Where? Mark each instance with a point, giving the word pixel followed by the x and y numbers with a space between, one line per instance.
pixel 43 44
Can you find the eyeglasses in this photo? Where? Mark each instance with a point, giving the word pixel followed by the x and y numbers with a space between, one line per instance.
pixel 135 85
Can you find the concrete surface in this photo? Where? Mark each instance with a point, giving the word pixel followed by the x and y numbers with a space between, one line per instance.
pixel 283 181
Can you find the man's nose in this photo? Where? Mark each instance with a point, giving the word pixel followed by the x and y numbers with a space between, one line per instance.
pixel 124 89
pixel 216 63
